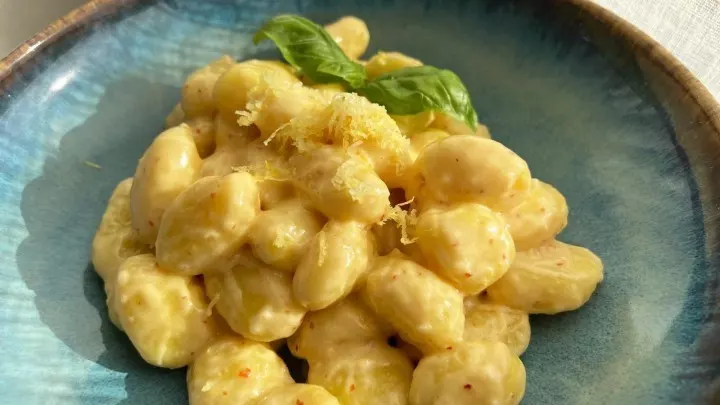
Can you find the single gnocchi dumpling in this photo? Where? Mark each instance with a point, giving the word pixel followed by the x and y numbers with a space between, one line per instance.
pixel 467 244
pixel 450 171
pixel 231 90
pixel 298 394
pixel 551 278
pixel 487 321
pixel 197 93
pixel 341 187
pixel 233 371
pixel 255 299
pixel 351 34
pixel 336 259
pixel 164 314
pixel 477 373
pixel 386 62
pixel 424 309
pixel 368 374
pixel 274 107
pixel 169 166
pixel 115 239
pixel 207 223
pixel 281 236
pixel 540 217
pixel 342 324
pixel 202 128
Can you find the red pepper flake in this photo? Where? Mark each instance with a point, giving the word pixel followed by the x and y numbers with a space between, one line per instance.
pixel 504 256
pixel 244 373
pixel 449 348
pixel 296 347
pixel 560 262
pixel 299 402
pixel 467 386
pixel 352 387
pixel 468 275
pixel 225 393
pixel 394 277
pixel 212 195
pixel 312 325
pixel 151 223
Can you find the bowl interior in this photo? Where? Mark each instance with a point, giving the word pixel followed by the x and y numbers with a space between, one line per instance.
pixel 553 93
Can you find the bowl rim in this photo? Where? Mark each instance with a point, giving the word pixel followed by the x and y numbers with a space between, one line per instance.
pixel 79 18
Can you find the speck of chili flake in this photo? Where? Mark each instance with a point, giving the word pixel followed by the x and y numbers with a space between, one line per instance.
pixel 467 386
pixel 197 130
pixel 225 393
pixel 312 325
pixel 151 223
pixel 299 402
pixel 448 348
pixel 352 387
pixel 296 347
pixel 394 277
pixel 244 373
pixel 468 275
pixel 212 195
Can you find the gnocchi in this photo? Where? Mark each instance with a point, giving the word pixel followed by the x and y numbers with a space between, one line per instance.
pixel 485 320
pixel 207 223
pixel 256 300
pixel 197 93
pixel 425 310
pixel 477 373
pixel 167 168
pixel 396 248
pixel 337 258
pixel 163 314
pixel 448 171
pixel 345 322
pixel 115 239
pixel 234 371
pixel 551 278
pixel 351 34
pixel 467 244
pixel 538 218
pixel 280 236
pixel 368 374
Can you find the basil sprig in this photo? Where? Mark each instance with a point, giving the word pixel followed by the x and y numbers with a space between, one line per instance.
pixel 310 49
pixel 413 90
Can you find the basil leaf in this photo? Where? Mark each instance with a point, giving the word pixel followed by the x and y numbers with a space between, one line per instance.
pixel 413 90
pixel 310 49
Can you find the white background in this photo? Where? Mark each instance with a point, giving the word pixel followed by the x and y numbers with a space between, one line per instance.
pixel 690 29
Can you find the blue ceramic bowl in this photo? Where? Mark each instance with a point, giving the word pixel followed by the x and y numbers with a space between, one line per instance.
pixel 595 107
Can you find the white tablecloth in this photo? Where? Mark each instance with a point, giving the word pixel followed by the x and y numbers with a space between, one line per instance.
pixel 690 29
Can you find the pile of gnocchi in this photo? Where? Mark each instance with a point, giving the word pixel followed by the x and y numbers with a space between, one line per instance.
pixel 400 256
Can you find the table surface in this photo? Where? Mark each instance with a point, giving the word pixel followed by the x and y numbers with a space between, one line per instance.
pixel 690 29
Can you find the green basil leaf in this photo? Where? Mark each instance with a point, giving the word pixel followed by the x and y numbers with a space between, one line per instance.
pixel 413 90
pixel 310 49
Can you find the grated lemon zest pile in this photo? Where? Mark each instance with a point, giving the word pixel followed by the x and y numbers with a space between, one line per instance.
pixel 405 220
